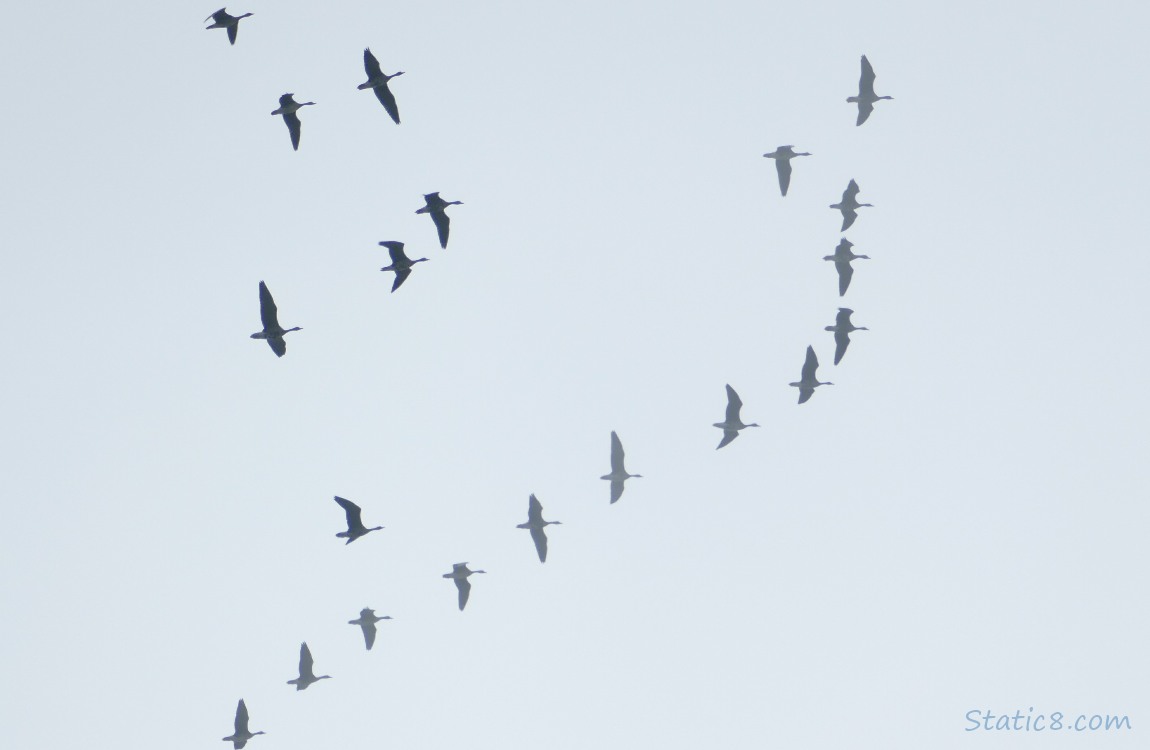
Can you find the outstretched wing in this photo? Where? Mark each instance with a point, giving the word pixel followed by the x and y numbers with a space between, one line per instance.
pixel 865 108
pixel 842 341
pixel 845 274
pixel 442 225
pixel 269 315
pixel 232 31
pixel 387 99
pixel 368 633
pixel 616 490
pixel 805 394
pixel 401 275
pixel 734 404
pixel 534 510
pixel 305 661
pixel 278 345
pixel 464 587
pixel 241 718
pixel 540 540
pixel 784 168
pixel 371 65
pixel 728 436
pixel 849 216
pixel 866 81
pixel 352 511
pixel 616 454
pixel 810 366
pixel 291 119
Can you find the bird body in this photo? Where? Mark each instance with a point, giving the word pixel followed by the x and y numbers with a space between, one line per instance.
pixel 437 207
pixel 355 527
pixel 842 258
pixel 618 473
pixel 221 19
pixel 400 263
pixel 782 156
pixel 240 737
pixel 460 572
pixel 842 330
pixel 272 332
pixel 306 674
pixel 535 524
pixel 849 204
pixel 366 621
pixel 807 383
pixel 377 81
pixel 288 108
pixel 733 422
pixel 866 97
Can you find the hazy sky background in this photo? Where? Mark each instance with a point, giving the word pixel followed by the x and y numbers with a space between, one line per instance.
pixel 959 523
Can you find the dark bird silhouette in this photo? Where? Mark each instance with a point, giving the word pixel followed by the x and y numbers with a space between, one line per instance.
pixel 240 737
pixel 377 82
pixel 618 473
pixel 733 423
pixel 306 675
pixel 808 382
pixel 842 258
pixel 848 205
pixel 866 96
pixel 288 108
pixel 535 524
pixel 842 329
pixel 460 572
pixel 367 620
pixel 782 156
pixel 273 332
pixel 437 207
pixel 355 527
pixel 400 263
pixel 221 19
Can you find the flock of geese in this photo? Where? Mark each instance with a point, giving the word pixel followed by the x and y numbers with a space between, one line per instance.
pixel 401 265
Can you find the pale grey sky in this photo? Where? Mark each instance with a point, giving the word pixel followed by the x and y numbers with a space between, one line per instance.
pixel 959 523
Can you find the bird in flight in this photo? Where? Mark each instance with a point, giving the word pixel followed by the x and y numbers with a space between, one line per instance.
pixel 377 82
pixel 221 19
pixel 273 332
pixel 355 527
pixel 808 382
pixel 288 108
pixel 535 524
pixel 866 96
pixel 618 473
pixel 842 330
pixel 366 621
pixel 240 737
pixel 842 258
pixel 306 675
pixel 460 572
pixel 733 423
pixel 782 156
pixel 400 263
pixel 848 205
pixel 437 207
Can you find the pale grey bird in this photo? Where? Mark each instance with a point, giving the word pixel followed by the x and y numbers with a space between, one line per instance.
pixel 842 330
pixel 240 737
pixel 460 572
pixel 355 527
pixel 288 108
pixel 377 82
pixel 733 423
pixel 849 204
pixel 782 156
pixel 618 473
pixel 842 258
pixel 535 524
pixel 221 19
pixel 273 332
pixel 306 675
pixel 808 382
pixel 866 96
pixel 400 263
pixel 366 621
pixel 437 207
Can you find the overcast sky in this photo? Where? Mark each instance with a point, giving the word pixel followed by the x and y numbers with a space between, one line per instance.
pixel 958 524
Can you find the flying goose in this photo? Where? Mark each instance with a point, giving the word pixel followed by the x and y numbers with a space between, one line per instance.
pixel 306 675
pixel 535 523
pixel 866 97
pixel 848 205
pixel 842 329
pixel 240 737
pixel 400 263
pixel 367 620
pixel 272 332
pixel 782 156
pixel 437 207
pixel 377 81
pixel 618 474
pixel 221 19
pixel 288 108
pixel 459 572
pixel 842 258
pixel 808 382
pixel 355 527
pixel 732 424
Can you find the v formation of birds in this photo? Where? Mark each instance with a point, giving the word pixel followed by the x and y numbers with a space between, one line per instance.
pixel 401 265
